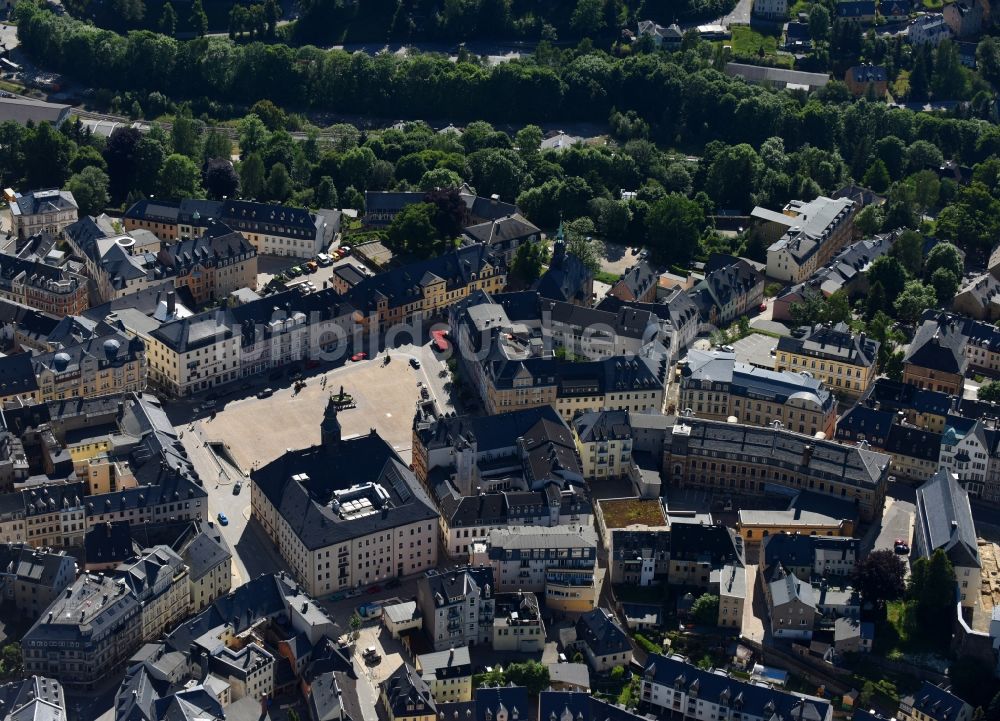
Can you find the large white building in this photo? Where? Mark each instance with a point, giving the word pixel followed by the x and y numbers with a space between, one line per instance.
pixel 346 513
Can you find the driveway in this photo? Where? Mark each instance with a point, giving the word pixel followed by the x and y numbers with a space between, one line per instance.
pixel 740 14
pixel 897 522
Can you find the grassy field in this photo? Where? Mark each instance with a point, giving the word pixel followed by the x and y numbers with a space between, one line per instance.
pixel 604 277
pixel 748 42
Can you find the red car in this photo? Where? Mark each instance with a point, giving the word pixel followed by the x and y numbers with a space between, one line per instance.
pixel 763 307
pixel 359 356
pixel 374 589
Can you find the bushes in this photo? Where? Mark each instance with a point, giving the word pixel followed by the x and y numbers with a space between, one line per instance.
pixel 646 644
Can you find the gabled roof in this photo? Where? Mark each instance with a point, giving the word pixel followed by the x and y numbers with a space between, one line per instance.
pixel 935 702
pixel 938 344
pixel 600 632
pixel 944 520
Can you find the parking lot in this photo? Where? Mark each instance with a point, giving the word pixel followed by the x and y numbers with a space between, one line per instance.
pixel 269 266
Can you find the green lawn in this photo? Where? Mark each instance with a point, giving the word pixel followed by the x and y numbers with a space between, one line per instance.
pixel 605 277
pixel 892 637
pixel 748 42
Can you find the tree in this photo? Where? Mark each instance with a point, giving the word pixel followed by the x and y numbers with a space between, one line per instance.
pixel 90 189
pixel 869 220
pixel 46 154
pixel 988 64
pixel 705 610
pixel 877 176
pixel 926 189
pixel 945 284
pixel 179 178
pixel 888 272
pixel 580 242
pixel 931 596
pixel 412 231
pixel 253 134
pixel 449 212
pixel 326 193
pixel 587 18
pixel 185 135
pixel 356 624
pixel 528 140
pixel 732 176
pixel 675 225
pixel 271 15
pixel 527 263
pixel 217 145
pixel 944 255
pixel 533 675
pixel 221 179
pixel 819 23
pixel 881 577
pixel 279 184
pixel 989 391
pixel 914 300
pixel 909 251
pixel 273 117
pixel 252 176
pixel 11 661
pixel 198 19
pixel 168 20
pixel 439 178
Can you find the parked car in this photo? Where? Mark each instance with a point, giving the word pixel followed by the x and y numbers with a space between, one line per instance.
pixel 237 488
pixel 359 356
pixel 414 363
pixel 901 547
pixel 223 519
pixel 294 272
pixel 323 259
pixel 371 655
pixel 312 266
pixel 265 393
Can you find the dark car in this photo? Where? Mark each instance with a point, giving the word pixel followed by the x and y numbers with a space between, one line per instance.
pixel 414 362
pixel 265 393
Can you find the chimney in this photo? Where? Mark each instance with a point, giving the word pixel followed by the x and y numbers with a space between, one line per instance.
pixel 108 528
pixel 171 302
pixel 807 452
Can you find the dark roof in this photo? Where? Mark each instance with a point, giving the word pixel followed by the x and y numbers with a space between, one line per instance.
pixel 597 426
pixel 206 550
pixel 490 432
pixel 599 630
pixel 718 688
pixel 567 278
pixel 17 374
pixel 855 8
pixel 581 706
pixel 836 343
pixel 934 702
pixel 867 74
pixel 406 693
pixel 36 566
pixel 907 440
pixel 939 343
pixel 50 200
pixel 695 542
pixel 216 245
pixel 404 285
pixel 892 395
pixel 108 543
pixel 307 488
pixel 502 231
pixel 795 550
pixel 638 278
pixel 863 421
pixel 944 520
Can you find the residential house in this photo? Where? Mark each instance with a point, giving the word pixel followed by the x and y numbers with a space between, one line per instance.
pixel 853 636
pixel 503 236
pixel 944 521
pixel 31 578
pixel 846 271
pixel 49 210
pixel 810 233
pixel 36 697
pixel 668 38
pixel 677 314
pixel 863 80
pixel 637 284
pixel 604 643
pixel 809 557
pixel 933 703
pixel 347 502
pixel 807 514
pixel 930 28
pixel 90 629
pixel 791 605
pixel 159 581
pixel 209 561
pixel 746 459
pixel 895 8
pixel 731 288
pixel 114 264
pixel 939 354
pixel 405 696
pixel 604 443
pixel 979 298
pixel 672 685
pixel 457 607
pixel 842 360
pixel 558 562
pixel 212 265
pixel 713 385
pixel 32 283
pixel 771 9
pixel 518 624
pixel 861 11
pixel 447 673
pixel 965 17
